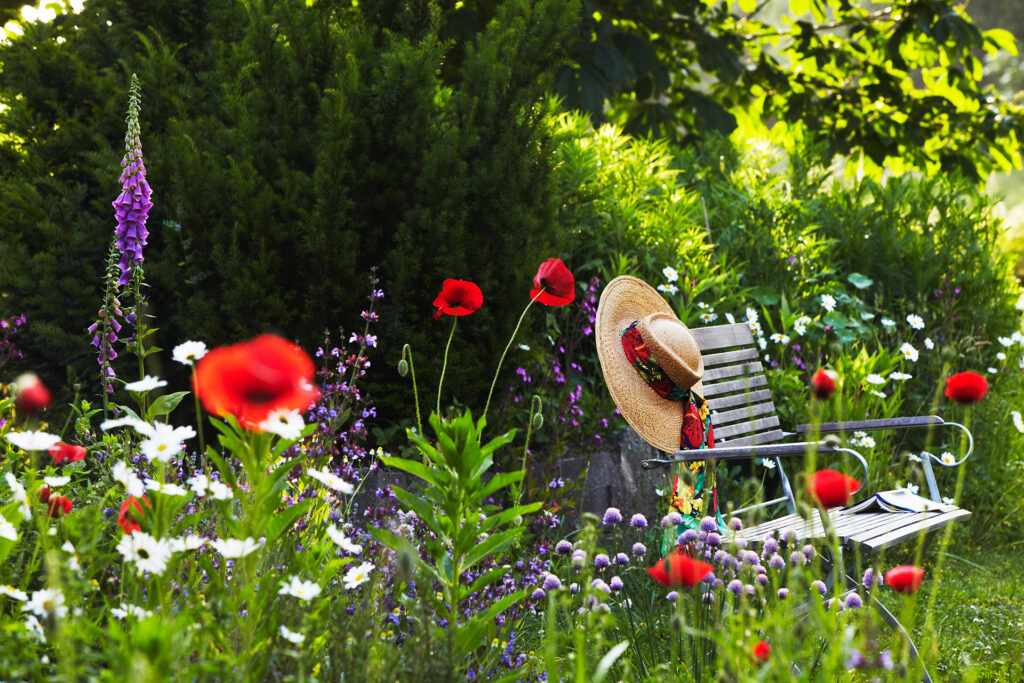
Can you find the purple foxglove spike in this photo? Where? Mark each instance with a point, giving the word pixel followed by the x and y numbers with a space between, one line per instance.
pixel 111 354
pixel 95 341
pixel 93 328
pixel 112 336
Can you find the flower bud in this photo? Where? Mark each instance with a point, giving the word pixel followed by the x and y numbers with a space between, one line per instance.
pixel 823 384
pixel 403 367
pixel 538 420
pixel 31 396
pixel 948 353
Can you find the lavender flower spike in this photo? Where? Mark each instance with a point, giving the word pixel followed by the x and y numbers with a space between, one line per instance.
pixel 131 208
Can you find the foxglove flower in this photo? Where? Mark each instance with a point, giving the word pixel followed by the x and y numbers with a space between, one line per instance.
pixel 133 204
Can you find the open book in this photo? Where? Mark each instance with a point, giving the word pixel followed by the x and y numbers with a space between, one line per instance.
pixel 900 500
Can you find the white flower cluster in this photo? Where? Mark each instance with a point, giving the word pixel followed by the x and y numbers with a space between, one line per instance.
pixel 862 440
pixel 163 441
pixel 671 275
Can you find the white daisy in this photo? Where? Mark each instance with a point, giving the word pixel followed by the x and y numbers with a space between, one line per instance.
pixel 134 422
pixel 33 441
pixel 220 491
pixel 708 318
pixel 730 318
pixel 828 302
pixel 768 463
pixel 948 501
pixel 875 379
pixel 992 371
pixel 929 344
pixel 670 273
pixel 888 323
pixel 1020 303
pixel 357 576
pixel 917 458
pixel 330 480
pixel 948 458
pixel 702 306
pixel 46 602
pixel 343 541
pixel 189 352
pixel 7 530
pixel 1018 422
pixel 126 610
pixel 168 489
pixel 1000 356
pixel 915 321
pixel 877 393
pixel 751 316
pixel 188 542
pixel 913 488
pixel 762 342
pixel 165 442
pixel 147 553
pixel 296 587
pixel 779 338
pixel 668 289
pixel 147 383
pixel 199 483
pixel 127 478
pixel 35 628
pixel 1005 341
pixel 287 424
pixel 19 494
pixel 291 636
pixel 755 328
pixel 232 548
pixel 13 593
pixel 800 325
pixel 909 352
pixel 900 376
pixel 54 482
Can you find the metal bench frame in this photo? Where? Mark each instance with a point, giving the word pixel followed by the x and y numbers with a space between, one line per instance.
pixel 746 426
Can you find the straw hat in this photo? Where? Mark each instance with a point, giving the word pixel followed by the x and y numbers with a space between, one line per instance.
pixel 625 300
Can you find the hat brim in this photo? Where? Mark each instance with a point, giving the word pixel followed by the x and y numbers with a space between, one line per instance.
pixel 658 421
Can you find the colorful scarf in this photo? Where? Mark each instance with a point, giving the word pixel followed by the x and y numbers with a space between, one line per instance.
pixel 695 434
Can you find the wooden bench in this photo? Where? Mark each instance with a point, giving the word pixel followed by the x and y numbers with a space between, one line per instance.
pixel 746 426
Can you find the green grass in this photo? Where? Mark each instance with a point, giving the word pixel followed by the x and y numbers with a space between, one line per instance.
pixel 979 612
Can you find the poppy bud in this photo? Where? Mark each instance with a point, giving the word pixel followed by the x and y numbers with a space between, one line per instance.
pixel 44 494
pixel 32 396
pixel 823 384
pixel 948 353
pixel 403 367
pixel 538 420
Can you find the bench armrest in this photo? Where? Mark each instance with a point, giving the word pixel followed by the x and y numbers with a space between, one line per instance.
pixel 771 450
pixel 873 425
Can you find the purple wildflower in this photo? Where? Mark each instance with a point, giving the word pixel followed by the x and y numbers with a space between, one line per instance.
pixel 796 557
pixel 671 519
pixel 600 585
pixel 601 561
pixel 820 585
pixel 672 596
pixel 735 524
pixel 783 593
pixel 612 516
pixel 639 549
pixel 574 588
pixel 776 562
pixel 762 579
pixel 131 208
pixel 714 539
pixel 853 601
pixel 563 547
pixel 615 583
pixel 687 537
pixel 578 558
pixel 538 594
pixel 885 660
pixel 551 582
pixel 622 558
pixel 770 546
pixel 639 521
pixel 708 524
pixel 808 551
pixel 735 586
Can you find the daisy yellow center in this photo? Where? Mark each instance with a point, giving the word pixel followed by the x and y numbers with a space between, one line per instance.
pixel 47 605
pixel 359 576
pixel 162 447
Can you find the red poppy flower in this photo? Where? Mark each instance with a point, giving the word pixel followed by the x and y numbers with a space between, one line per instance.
pixel 32 396
pixel 65 452
pixel 823 384
pixel 554 283
pixel 966 387
pixel 252 379
pixel 761 651
pixel 58 505
pixel 44 494
pixel 678 569
pixel 904 579
pixel 830 489
pixel 127 518
pixel 458 297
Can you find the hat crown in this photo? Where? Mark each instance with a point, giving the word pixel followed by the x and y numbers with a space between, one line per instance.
pixel 675 349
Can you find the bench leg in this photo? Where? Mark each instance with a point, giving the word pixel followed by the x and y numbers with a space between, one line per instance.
pixel 895 625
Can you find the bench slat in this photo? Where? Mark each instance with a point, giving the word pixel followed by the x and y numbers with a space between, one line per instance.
pixel 714 360
pixel 770 436
pixel 871 542
pixel 740 399
pixel 723 336
pixel 746 412
pixel 738 370
pixel 746 427
pixel 719 388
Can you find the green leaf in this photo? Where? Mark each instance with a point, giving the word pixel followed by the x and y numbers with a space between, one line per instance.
pixel 417 469
pixel 163 405
pixel 423 509
pixel 500 481
pixel 766 295
pixel 608 661
pixel 472 635
pixel 508 515
pixel 285 518
pixel 836 320
pixel 859 281
pixel 846 335
pixel 799 7
pixel 747 5
pixel 491 544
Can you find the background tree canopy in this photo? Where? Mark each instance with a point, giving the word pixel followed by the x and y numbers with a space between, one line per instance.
pixel 294 144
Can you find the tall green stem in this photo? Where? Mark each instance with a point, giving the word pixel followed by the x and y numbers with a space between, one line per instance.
pixel 444 366
pixel 507 347
pixel 407 351
pixel 199 424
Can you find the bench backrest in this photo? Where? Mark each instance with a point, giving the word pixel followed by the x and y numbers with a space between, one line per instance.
pixel 735 386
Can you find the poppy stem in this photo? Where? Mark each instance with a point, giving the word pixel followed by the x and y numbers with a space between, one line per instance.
pixel 507 347
pixel 444 366
pixel 407 354
pixel 199 424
